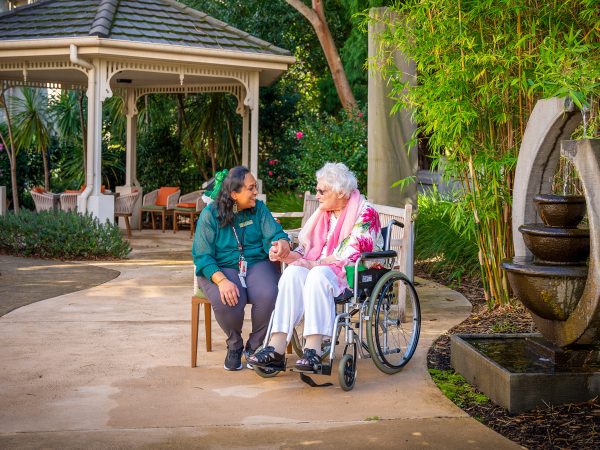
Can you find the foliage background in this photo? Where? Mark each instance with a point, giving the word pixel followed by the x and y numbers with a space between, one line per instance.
pixel 481 67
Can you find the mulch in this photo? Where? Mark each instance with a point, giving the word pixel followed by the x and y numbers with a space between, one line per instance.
pixel 570 426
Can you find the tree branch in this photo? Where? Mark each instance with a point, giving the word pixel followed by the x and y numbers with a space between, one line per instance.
pixel 307 12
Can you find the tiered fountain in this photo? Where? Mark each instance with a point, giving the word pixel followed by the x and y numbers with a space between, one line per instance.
pixel 551 282
pixel 550 273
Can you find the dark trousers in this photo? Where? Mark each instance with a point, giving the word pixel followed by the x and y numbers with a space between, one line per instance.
pixel 261 293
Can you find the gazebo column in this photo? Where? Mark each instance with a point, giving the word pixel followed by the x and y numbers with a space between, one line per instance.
pixel 245 129
pixel 131 181
pixel 99 205
pixel 254 102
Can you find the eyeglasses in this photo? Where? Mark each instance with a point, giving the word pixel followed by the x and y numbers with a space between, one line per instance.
pixel 322 191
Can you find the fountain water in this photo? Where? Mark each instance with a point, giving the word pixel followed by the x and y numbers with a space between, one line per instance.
pixel 550 273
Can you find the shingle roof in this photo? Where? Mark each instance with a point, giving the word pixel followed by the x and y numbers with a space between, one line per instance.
pixel 146 21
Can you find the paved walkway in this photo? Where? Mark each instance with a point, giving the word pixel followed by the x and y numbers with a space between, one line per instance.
pixel 109 367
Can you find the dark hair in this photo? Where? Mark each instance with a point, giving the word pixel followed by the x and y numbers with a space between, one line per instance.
pixel 233 182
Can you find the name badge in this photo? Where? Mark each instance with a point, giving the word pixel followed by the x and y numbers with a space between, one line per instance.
pixel 243 265
pixel 246 223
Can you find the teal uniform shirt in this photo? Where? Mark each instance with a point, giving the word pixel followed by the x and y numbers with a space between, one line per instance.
pixel 215 247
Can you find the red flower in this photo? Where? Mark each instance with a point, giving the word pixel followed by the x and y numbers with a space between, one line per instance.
pixel 371 217
pixel 360 114
pixel 365 244
pixel 299 135
pixel 270 173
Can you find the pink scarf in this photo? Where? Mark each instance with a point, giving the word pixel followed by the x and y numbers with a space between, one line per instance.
pixel 313 234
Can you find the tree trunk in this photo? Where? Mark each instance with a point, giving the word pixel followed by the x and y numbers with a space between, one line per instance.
pixel 316 17
pixel 46 169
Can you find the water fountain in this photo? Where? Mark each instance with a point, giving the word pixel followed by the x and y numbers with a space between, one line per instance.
pixel 550 273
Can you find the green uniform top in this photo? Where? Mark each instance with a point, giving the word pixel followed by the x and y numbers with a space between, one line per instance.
pixel 215 247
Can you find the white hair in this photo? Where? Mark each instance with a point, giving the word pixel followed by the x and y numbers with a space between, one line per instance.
pixel 338 177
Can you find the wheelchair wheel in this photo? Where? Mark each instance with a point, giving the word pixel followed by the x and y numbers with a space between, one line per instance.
pixel 298 339
pixel 263 372
pixel 394 322
pixel 347 372
pixel 298 342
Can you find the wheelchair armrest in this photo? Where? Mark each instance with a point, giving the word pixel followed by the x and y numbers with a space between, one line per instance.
pixel 379 255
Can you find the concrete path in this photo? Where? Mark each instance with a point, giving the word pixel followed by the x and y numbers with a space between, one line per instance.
pixel 109 367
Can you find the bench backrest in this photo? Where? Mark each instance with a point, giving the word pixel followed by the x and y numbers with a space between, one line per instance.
pixel 402 239
pixel 311 204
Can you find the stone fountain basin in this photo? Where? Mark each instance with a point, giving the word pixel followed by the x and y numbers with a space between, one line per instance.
pixel 551 292
pixel 557 245
pixel 565 211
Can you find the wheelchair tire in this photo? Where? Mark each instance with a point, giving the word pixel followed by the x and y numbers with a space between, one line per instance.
pixel 347 372
pixel 266 373
pixel 298 342
pixel 394 325
pixel 298 339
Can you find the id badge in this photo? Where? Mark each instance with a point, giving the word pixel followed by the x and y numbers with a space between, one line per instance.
pixel 243 265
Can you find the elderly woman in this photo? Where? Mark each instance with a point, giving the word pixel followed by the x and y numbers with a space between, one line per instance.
pixel 344 226
pixel 230 250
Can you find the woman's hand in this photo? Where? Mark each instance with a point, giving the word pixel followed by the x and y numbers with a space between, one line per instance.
pixel 305 263
pixel 310 264
pixel 229 292
pixel 279 250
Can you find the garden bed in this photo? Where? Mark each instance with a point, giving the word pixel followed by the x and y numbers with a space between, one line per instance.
pixel 550 427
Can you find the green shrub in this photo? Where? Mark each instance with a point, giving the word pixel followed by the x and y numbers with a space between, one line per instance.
pixel 445 236
pixel 60 235
pixel 286 202
pixel 329 139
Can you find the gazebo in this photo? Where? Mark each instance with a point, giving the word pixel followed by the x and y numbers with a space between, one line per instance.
pixel 131 48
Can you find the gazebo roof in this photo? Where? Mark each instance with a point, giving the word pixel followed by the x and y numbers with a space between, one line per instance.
pixel 149 42
pixel 143 21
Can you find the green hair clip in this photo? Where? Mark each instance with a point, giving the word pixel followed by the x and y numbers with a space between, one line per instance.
pixel 219 177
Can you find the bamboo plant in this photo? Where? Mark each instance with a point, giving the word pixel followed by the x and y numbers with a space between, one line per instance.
pixel 481 67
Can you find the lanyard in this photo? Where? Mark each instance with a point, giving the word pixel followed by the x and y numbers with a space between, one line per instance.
pixel 240 244
pixel 242 263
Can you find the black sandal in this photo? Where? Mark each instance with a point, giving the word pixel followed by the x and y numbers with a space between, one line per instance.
pixel 268 358
pixel 310 361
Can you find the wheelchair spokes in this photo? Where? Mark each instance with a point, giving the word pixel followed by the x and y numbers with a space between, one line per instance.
pixel 394 323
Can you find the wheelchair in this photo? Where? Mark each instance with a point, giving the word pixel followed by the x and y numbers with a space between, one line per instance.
pixel 380 319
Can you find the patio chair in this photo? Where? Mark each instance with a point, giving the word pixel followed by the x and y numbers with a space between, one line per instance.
pixel 43 200
pixel 68 200
pixel 161 201
pixel 124 205
pixel 189 205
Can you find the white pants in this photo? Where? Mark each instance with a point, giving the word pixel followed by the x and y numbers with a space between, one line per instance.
pixel 308 293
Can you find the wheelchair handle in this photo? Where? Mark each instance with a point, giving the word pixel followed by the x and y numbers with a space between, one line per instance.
pixel 395 222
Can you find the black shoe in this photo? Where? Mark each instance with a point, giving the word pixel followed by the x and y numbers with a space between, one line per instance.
pixel 310 361
pixel 268 358
pixel 233 360
pixel 248 352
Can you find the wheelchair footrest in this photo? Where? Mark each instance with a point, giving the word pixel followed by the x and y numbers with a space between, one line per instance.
pixel 324 369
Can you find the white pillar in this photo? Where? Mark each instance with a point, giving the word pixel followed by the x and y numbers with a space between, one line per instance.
pixel 254 92
pixel 100 205
pixel 131 181
pixel 245 127
pixel 131 156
